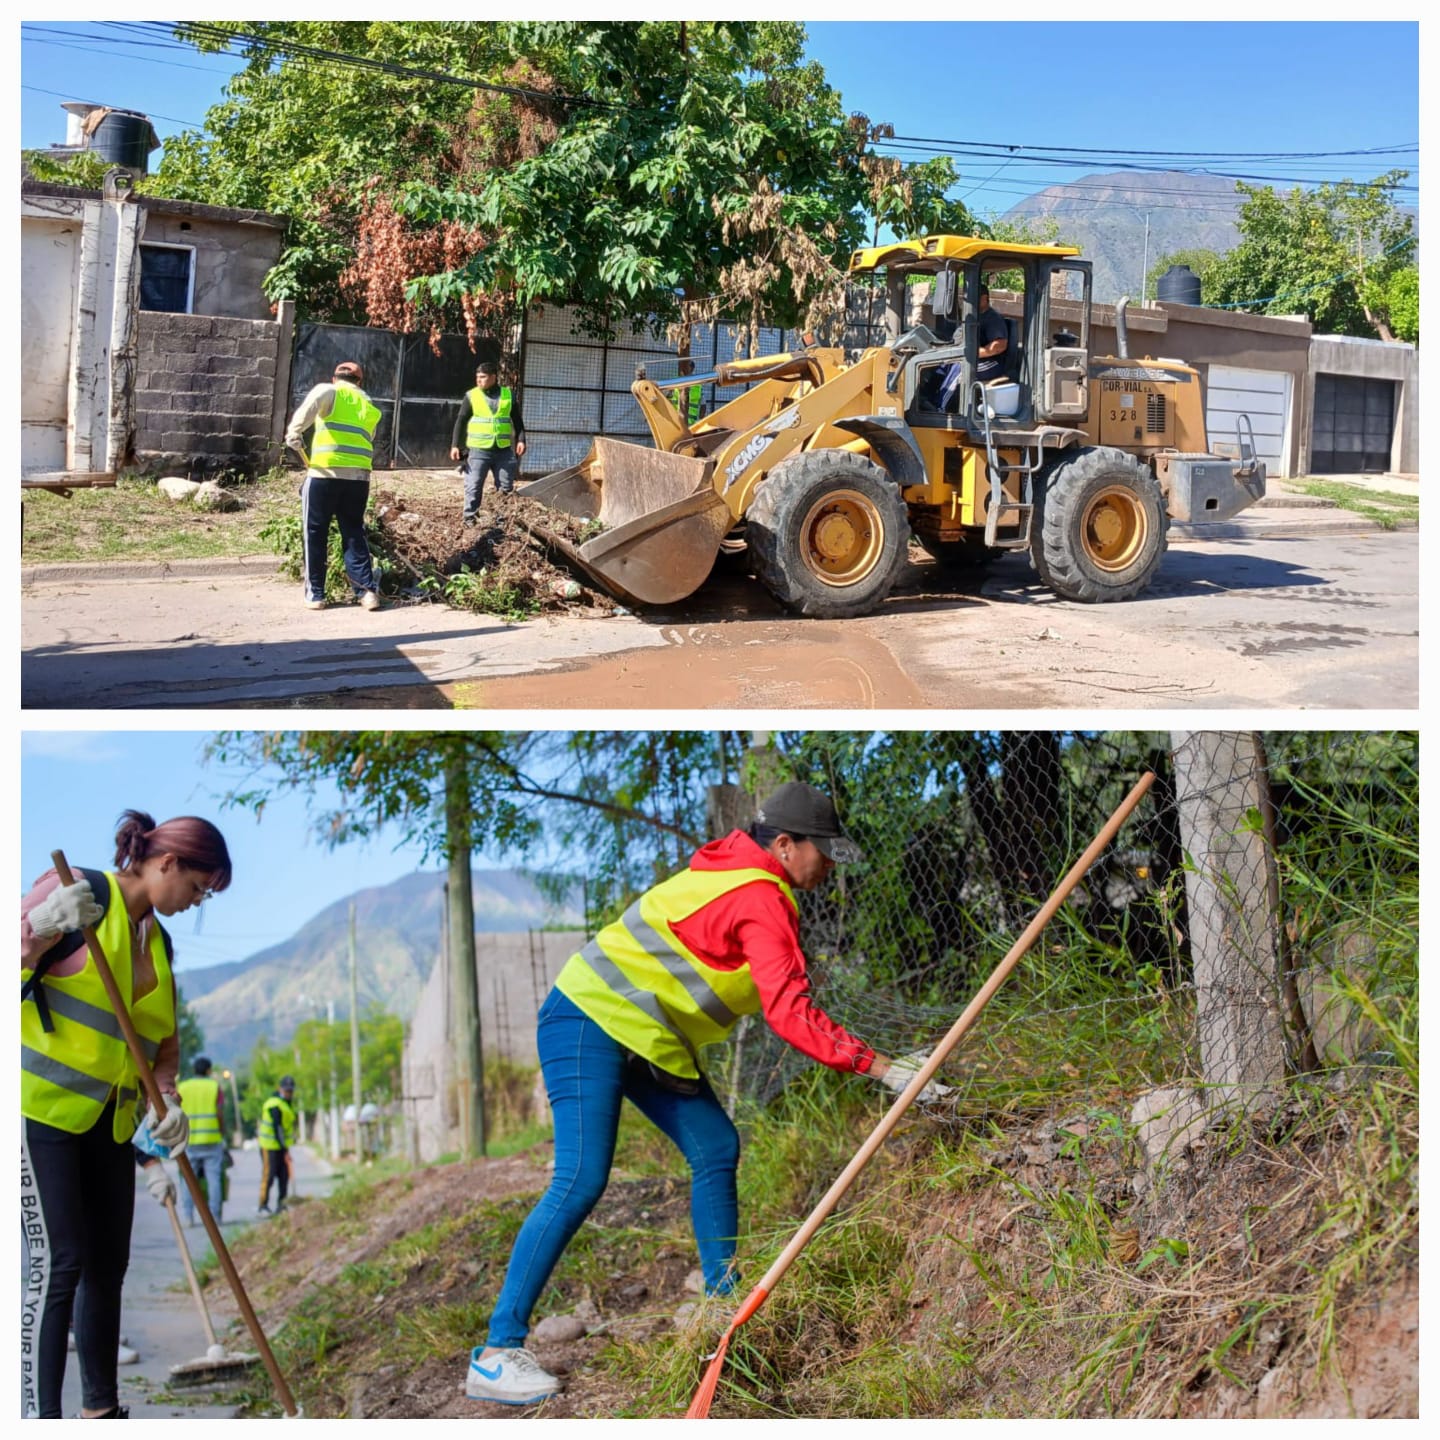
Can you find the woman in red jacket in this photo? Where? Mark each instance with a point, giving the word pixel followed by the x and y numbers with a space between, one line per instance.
pixel 626 1020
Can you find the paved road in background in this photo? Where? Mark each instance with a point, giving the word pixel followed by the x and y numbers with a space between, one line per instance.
pixel 1281 608
pixel 158 1315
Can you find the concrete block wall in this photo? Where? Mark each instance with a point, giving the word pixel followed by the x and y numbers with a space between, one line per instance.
pixel 205 392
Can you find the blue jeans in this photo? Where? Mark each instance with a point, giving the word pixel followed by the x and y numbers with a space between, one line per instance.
pixel 587 1076
pixel 503 464
pixel 209 1161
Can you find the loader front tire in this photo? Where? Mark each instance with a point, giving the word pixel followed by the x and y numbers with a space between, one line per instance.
pixel 828 534
pixel 1099 529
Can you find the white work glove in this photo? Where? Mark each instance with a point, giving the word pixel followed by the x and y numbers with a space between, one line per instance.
pixel 902 1071
pixel 173 1130
pixel 159 1183
pixel 70 907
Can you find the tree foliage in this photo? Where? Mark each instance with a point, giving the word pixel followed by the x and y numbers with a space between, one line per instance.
pixel 316 1052
pixel 628 168
pixel 1201 262
pixel 1330 253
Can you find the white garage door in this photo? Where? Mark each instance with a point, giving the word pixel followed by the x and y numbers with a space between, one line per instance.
pixel 1263 395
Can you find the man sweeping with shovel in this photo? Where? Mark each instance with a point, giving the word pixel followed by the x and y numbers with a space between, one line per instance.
pixel 626 1020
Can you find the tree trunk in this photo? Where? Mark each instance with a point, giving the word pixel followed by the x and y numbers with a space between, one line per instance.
pixel 1221 788
pixel 465 994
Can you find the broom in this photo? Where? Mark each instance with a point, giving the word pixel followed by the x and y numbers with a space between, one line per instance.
pixel 705 1394
pixel 187 1171
pixel 217 1366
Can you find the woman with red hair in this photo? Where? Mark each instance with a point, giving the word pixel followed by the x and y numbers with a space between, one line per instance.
pixel 80 1093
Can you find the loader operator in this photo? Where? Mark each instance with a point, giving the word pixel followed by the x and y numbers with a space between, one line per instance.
pixel 80 1092
pixel 625 1021
pixel 337 480
pixel 276 1133
pixel 493 433
pixel 992 339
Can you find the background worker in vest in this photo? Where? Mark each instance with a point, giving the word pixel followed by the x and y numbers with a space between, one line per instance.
pixel 80 1093
pixel 337 480
pixel 277 1134
pixel 490 428
pixel 624 1022
pixel 692 398
pixel 204 1103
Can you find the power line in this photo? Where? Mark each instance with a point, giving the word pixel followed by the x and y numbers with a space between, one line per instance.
pixel 70 95
pixel 1181 154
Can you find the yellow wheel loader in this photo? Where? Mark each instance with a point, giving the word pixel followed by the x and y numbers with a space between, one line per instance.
pixel 825 465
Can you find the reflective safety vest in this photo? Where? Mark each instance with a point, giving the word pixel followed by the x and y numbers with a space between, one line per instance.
pixel 200 1099
pixel 646 990
pixel 345 438
pixel 489 429
pixel 694 397
pixel 267 1123
pixel 68 1074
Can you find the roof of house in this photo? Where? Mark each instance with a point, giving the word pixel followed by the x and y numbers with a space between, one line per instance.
pixel 187 209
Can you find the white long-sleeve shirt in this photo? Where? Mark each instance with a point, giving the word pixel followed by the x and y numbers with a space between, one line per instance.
pixel 317 405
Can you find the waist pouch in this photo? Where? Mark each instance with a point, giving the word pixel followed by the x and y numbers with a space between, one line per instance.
pixel 676 1084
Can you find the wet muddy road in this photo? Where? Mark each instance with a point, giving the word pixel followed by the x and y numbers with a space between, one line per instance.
pixel 1258 618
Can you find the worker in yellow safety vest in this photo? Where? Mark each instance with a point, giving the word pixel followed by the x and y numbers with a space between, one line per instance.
pixel 80 1092
pixel 337 480
pixel 628 1019
pixel 277 1135
pixel 691 398
pixel 204 1103
pixel 492 431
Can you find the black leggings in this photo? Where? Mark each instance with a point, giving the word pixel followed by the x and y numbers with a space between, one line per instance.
pixel 77 1202
pixel 273 1166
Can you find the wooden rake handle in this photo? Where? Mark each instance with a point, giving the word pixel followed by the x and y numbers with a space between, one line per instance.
pixel 952 1038
pixel 187 1171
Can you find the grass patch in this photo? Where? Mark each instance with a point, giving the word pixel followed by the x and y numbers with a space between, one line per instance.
pixel 1384 507
pixel 134 521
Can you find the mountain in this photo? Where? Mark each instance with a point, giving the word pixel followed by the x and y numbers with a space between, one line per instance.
pixel 1105 216
pixel 397 935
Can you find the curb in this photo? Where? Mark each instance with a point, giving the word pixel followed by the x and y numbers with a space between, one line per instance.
pixel 259 565
pixel 1281 529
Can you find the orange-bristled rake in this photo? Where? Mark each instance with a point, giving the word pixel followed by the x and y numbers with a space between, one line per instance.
pixel 705 1394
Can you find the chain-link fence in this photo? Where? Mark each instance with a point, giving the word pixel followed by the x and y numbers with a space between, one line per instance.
pixel 1256 917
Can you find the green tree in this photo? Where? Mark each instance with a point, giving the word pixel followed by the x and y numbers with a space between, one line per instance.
pixel 1202 263
pixel 192 1034
pixel 1329 253
pixel 1396 298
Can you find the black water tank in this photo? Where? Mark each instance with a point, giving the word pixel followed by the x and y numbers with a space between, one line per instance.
pixel 123 138
pixel 1180 285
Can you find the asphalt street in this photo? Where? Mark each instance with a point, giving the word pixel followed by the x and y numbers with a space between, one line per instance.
pixel 1279 609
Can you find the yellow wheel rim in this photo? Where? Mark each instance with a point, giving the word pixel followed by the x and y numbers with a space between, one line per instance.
pixel 1114 528
pixel 841 537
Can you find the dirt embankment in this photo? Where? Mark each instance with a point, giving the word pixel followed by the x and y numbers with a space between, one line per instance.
pixel 1057 1280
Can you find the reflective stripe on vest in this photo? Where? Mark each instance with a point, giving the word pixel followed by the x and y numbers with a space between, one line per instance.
pixel 267 1125
pixel 345 438
pixel 67 1075
pixel 646 990
pixel 489 429
pixel 200 1099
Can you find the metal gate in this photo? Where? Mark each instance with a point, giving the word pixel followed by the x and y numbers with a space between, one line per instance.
pixel 417 391
pixel 1354 425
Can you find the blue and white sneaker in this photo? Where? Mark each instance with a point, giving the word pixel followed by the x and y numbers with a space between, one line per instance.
pixel 508 1377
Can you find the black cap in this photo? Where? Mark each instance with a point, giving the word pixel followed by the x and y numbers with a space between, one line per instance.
pixel 804 811
pixel 287 1082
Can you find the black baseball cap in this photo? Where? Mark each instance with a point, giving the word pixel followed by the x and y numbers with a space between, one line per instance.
pixel 807 813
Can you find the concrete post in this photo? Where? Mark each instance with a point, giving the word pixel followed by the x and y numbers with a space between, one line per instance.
pixel 284 358
pixel 1221 793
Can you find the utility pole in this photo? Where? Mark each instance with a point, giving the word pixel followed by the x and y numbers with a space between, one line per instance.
pixel 334 1083
pixel 1145 269
pixel 354 1027
pixel 464 995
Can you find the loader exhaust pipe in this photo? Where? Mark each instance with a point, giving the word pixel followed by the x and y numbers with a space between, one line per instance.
pixel 1122 332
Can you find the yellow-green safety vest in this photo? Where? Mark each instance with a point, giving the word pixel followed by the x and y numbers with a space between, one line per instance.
pixel 69 1074
pixel 200 1099
pixel 489 429
pixel 694 396
pixel 345 438
pixel 267 1125
pixel 646 990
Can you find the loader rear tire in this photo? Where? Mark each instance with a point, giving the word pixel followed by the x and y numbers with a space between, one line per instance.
pixel 828 534
pixel 1100 525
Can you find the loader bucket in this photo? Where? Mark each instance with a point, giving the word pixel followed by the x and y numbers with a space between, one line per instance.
pixel 663 520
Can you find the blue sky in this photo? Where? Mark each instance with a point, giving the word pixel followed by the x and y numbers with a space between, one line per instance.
pixel 1282 86
pixel 74 784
